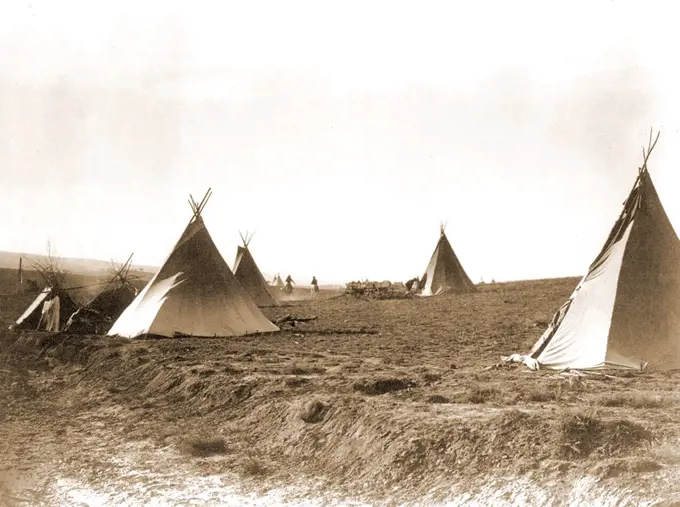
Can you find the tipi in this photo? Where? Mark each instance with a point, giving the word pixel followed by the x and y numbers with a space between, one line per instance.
pixel 277 282
pixel 444 271
pixel 193 294
pixel 97 316
pixel 250 277
pixel 49 310
pixel 625 313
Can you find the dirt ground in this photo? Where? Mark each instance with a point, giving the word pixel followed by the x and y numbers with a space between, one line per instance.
pixel 386 402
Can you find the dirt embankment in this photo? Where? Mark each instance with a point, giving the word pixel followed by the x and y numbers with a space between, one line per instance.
pixel 397 409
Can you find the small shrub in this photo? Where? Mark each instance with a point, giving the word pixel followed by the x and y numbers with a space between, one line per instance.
pixel 437 398
pixel 202 446
pixel 429 377
pixel 296 381
pixel 254 467
pixel 479 394
pixel 578 434
pixel 538 395
pixel 623 434
pixel 581 433
pixel 382 385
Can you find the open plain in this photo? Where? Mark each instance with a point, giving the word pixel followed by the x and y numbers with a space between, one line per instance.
pixel 384 402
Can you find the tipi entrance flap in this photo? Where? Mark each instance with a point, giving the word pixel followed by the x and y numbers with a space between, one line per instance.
pixel 37 302
pixel 145 307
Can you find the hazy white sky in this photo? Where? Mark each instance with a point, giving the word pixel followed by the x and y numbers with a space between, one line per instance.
pixel 342 133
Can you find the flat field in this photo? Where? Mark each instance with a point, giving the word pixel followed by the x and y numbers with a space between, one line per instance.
pixel 390 402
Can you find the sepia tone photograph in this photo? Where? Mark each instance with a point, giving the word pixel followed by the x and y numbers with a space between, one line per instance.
pixel 358 253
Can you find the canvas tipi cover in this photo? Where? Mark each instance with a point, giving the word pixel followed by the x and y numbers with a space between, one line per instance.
pixel 193 294
pixel 250 276
pixel 444 272
pixel 625 313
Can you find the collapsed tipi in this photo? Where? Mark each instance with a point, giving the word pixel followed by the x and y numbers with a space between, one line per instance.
pixel 625 313
pixel 444 271
pixel 194 293
pixel 97 316
pixel 250 277
pixel 53 306
pixel 49 311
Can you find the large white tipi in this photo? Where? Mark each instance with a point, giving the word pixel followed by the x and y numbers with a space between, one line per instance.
pixel 444 271
pixel 193 294
pixel 625 313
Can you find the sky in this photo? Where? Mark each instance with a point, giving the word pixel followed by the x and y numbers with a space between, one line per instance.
pixel 340 133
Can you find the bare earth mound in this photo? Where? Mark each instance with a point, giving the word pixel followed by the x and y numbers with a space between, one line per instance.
pixel 391 402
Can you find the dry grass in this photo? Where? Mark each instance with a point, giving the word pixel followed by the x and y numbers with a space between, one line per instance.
pixel 665 451
pixel 352 407
pixel 479 394
pixel 582 432
pixel 634 400
pixel 540 394
pixel 303 369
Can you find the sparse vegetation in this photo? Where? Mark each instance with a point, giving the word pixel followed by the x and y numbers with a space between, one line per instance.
pixel 405 409
pixel 634 400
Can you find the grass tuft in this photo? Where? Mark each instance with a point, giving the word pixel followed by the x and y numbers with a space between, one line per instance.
pixel 382 385
pixel 581 433
pixel 202 446
pixel 254 467
pixel 633 400
pixel 314 411
pixel 437 398
pixel 479 394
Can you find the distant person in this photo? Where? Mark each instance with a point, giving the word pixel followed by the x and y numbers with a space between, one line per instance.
pixel 315 287
pixel 288 288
